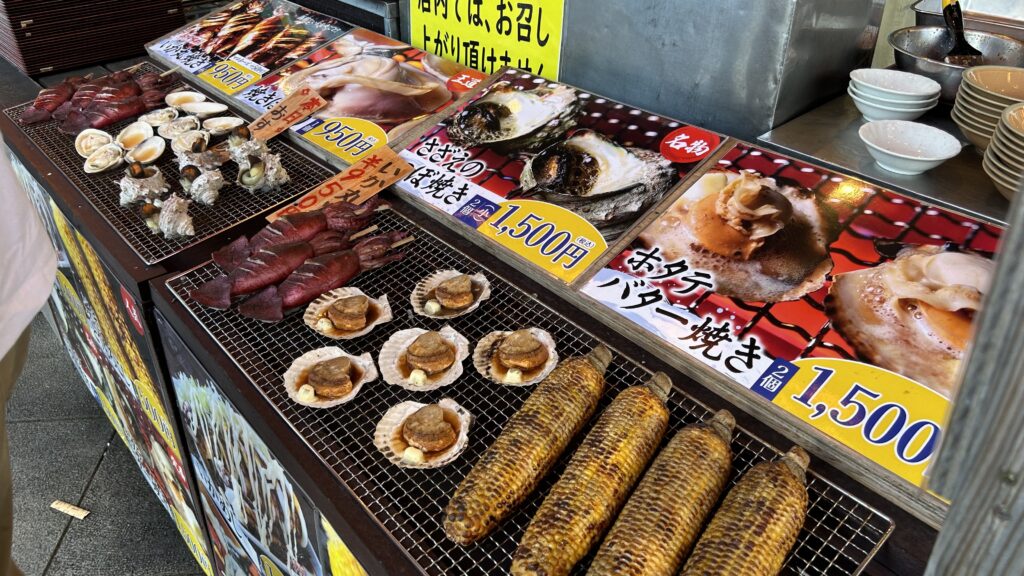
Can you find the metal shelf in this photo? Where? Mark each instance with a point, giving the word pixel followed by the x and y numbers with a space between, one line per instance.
pixel 234 206
pixel 840 536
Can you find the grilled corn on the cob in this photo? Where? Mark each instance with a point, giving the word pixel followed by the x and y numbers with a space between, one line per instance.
pixel 662 519
pixel 584 501
pixel 758 523
pixel 526 449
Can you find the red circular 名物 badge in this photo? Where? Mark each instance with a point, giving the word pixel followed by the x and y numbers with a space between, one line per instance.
pixel 689 144
pixel 133 311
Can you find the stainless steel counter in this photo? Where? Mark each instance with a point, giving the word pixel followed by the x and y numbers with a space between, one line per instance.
pixel 828 136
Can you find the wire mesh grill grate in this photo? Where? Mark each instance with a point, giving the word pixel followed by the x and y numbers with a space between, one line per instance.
pixel 235 205
pixel 840 536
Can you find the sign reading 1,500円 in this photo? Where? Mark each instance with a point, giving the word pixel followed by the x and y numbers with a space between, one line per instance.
pixel 888 418
pixel 551 237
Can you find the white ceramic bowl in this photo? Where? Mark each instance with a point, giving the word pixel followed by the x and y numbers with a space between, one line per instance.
pixel 891 103
pixel 1006 185
pixel 874 112
pixel 908 147
pixel 961 117
pixel 895 84
pixel 979 139
pixel 980 114
pixel 1003 84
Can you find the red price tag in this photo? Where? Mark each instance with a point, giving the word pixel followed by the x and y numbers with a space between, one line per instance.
pixel 689 144
pixel 465 81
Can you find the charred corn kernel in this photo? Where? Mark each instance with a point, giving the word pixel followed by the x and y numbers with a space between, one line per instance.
pixel 530 444
pixel 758 523
pixel 584 501
pixel 662 519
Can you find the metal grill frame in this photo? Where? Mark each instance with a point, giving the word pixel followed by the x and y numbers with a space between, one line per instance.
pixel 840 536
pixel 234 206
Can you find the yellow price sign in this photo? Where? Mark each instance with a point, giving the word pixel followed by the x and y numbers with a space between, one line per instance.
pixel 488 35
pixel 349 139
pixel 229 76
pixel 555 239
pixel 888 418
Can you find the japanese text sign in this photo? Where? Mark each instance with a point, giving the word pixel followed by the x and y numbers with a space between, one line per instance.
pixel 356 184
pixel 295 108
pixel 822 313
pixel 488 34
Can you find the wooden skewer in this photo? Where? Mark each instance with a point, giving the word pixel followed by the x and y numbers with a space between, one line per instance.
pixel 362 233
pixel 133 68
pixel 171 71
pixel 403 242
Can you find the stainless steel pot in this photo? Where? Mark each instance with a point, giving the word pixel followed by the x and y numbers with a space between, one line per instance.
pixel 920 49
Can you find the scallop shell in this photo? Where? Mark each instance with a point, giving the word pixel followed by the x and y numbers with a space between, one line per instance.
pixel 104 158
pixel 203 109
pixel 394 349
pixel 316 309
pixel 221 125
pixel 149 151
pixel 487 347
pixel 158 118
pixel 90 140
pixel 388 435
pixel 179 126
pixel 178 99
pixel 183 142
pixel 134 134
pixel 303 363
pixel 420 294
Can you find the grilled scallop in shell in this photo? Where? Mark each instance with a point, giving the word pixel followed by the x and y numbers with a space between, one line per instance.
pixel 598 179
pixel 511 120
pixel 415 435
pixel 346 312
pixel 449 293
pixel 327 377
pixel 423 360
pixel 762 240
pixel 519 358
pixel 913 315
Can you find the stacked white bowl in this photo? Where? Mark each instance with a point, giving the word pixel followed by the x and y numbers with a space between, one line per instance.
pixel 984 94
pixel 907 147
pixel 882 94
pixel 1004 158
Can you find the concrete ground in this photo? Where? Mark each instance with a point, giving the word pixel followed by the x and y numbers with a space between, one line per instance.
pixel 62 447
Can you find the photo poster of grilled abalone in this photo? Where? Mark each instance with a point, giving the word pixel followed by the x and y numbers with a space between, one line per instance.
pixel 771 257
pixel 365 76
pixel 259 35
pixel 524 137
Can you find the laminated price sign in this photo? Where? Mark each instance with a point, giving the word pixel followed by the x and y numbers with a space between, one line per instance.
pixel 822 294
pixel 558 193
pixel 488 34
pixel 230 76
pixel 286 113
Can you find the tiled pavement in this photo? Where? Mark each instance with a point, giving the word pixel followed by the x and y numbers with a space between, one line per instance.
pixel 62 447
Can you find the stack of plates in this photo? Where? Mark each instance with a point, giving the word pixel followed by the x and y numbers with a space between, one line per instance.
pixel 882 94
pixel 1004 158
pixel 984 94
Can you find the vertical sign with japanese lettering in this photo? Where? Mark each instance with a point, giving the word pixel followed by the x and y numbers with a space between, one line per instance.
pixel 486 35
pixel 377 89
pixel 561 174
pixel 819 293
